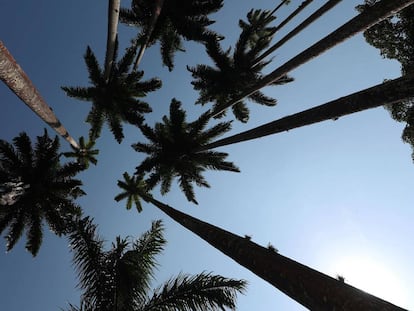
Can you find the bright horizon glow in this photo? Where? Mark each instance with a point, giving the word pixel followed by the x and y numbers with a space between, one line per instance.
pixel 370 275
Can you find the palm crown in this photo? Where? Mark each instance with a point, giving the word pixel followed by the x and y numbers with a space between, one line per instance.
pixel 173 151
pixel 116 100
pixel 235 73
pixel 120 278
pixel 36 187
pixel 84 154
pixel 178 19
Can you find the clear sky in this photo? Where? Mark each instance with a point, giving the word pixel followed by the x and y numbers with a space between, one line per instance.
pixel 336 196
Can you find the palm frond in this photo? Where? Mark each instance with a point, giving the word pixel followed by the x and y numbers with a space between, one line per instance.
pixel 196 293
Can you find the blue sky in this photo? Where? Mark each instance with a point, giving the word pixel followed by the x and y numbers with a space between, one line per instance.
pixel 335 196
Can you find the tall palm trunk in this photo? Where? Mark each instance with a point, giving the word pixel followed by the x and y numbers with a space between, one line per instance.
pixel 390 92
pixel 113 17
pixel 318 13
pixel 279 6
pixel 309 287
pixel 299 9
pixel 157 11
pixel 361 22
pixel 19 83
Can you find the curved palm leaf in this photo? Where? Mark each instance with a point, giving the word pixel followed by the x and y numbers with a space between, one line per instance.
pixel 120 278
pixel 195 293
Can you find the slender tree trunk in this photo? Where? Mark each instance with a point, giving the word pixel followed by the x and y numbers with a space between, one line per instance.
pixel 279 6
pixel 157 11
pixel 309 287
pixel 113 17
pixel 390 92
pixel 361 22
pixel 322 10
pixel 299 9
pixel 19 83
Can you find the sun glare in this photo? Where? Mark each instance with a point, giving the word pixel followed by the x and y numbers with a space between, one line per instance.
pixel 373 277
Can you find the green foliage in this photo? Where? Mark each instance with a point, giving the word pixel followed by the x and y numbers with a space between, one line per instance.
pixel 120 278
pixel 134 189
pixel 173 151
pixel 235 73
pixel 116 100
pixel 84 154
pixel 394 37
pixel 178 20
pixel 42 190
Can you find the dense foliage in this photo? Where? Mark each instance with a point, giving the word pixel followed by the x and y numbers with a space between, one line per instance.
pixel 235 73
pixel 394 37
pixel 36 187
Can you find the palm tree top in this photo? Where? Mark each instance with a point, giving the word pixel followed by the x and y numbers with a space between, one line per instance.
pixel 115 100
pixel 234 72
pixel 85 154
pixel 173 151
pixel 41 186
pixel 177 20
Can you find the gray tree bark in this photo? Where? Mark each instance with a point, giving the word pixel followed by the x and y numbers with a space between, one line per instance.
pixel 19 83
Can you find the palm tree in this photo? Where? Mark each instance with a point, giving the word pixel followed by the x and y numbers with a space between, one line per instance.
pixel 84 154
pixel 318 13
pixel 120 279
pixel 168 22
pixel 36 188
pixel 115 101
pixel 19 83
pixel 172 151
pixel 388 93
pixel 361 22
pixel 113 17
pixel 308 287
pixel 234 73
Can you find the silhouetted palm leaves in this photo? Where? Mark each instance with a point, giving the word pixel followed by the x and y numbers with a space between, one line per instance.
pixel 84 154
pixel 35 188
pixel 235 73
pixel 178 19
pixel 115 101
pixel 173 151
pixel 120 278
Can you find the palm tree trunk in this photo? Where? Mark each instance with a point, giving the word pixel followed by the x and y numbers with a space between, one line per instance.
pixel 299 9
pixel 390 92
pixel 309 287
pixel 318 13
pixel 157 11
pixel 19 83
pixel 279 6
pixel 113 17
pixel 361 22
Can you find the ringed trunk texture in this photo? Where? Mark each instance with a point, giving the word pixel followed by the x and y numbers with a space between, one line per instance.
pixel 312 289
pixel 19 83
pixel 361 22
pixel 390 92
pixel 157 11
pixel 113 17
pixel 318 13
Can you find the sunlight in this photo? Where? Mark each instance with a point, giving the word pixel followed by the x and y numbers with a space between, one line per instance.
pixel 373 277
